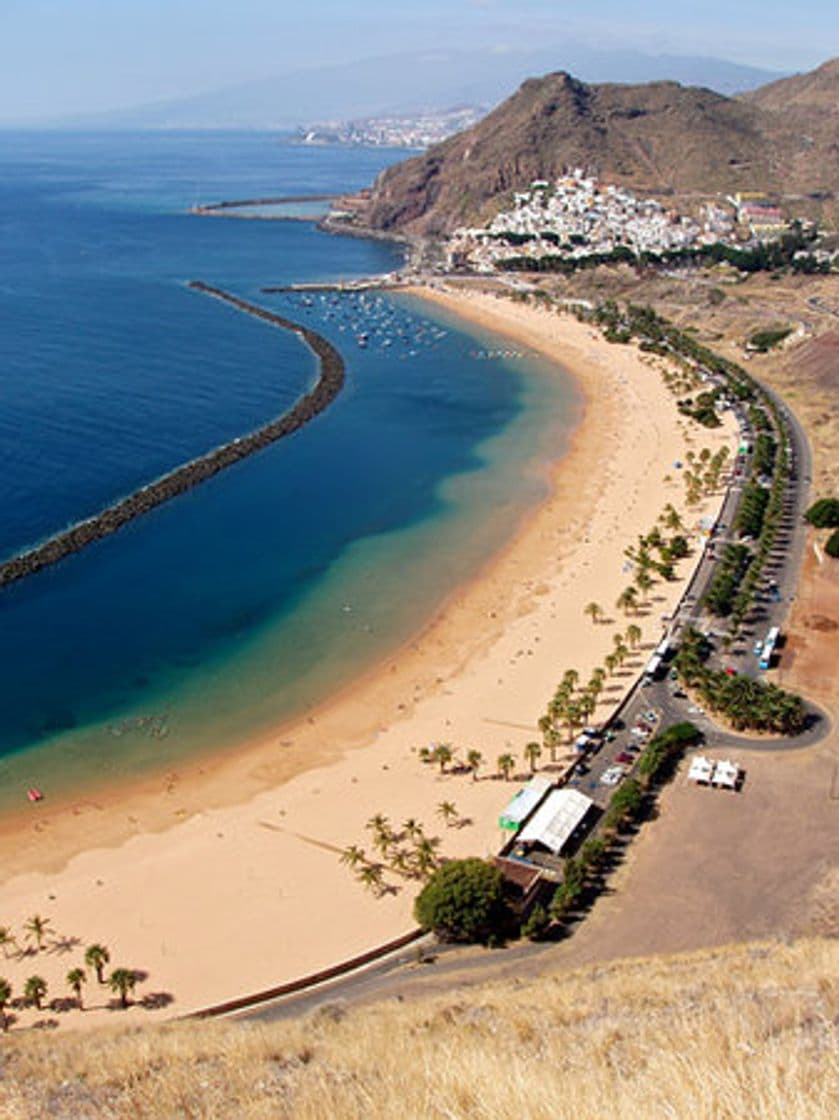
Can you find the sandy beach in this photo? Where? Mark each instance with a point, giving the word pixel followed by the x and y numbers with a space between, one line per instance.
pixel 224 877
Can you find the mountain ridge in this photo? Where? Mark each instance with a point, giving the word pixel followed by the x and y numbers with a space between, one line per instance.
pixel 659 137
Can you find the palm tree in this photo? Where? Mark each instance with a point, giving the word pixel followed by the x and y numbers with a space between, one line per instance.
pixel 122 981
pixel 34 990
pixel 425 856
pixel 644 581
pixel 443 753
pixel 36 930
pixel 5 998
pixel 447 811
pixel 533 752
pixel 594 611
pixel 627 601
pixel 412 828
pixel 7 939
pixel 611 662
pixel 506 765
pixel 96 957
pixel 621 652
pixel 670 518
pixel 473 761
pixel 633 635
pixel 570 679
pixel 352 855
pixel 370 876
pixel 75 978
pixel 400 862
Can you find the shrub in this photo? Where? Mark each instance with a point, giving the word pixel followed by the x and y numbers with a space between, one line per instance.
pixel 832 546
pixel 462 901
pixel 824 513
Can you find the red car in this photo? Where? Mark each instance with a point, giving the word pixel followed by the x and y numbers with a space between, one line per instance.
pixel 731 672
pixel 624 757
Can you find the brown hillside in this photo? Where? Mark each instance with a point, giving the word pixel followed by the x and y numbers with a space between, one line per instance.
pixel 660 137
pixel 818 89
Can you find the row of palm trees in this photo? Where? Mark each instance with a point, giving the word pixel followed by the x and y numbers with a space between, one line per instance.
pixel 121 981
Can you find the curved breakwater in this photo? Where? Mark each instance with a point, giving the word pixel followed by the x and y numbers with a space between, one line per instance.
pixel 188 475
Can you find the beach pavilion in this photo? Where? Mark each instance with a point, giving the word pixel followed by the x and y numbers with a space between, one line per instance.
pixel 556 820
pixel 522 803
pixel 726 775
pixel 701 770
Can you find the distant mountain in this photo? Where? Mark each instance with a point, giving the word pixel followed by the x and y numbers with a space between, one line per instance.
pixel 660 136
pixel 411 82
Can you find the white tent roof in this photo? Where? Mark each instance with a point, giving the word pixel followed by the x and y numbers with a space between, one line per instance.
pixel 555 820
pixel 525 800
pixel 726 774
pixel 701 769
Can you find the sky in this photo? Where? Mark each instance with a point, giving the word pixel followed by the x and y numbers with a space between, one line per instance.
pixel 59 57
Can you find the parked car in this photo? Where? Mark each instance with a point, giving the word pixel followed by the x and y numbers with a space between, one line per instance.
pixel 624 756
pixel 651 716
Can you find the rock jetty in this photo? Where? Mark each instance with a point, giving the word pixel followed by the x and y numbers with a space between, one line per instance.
pixel 188 475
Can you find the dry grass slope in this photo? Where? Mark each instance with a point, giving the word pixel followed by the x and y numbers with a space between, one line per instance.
pixel 743 1032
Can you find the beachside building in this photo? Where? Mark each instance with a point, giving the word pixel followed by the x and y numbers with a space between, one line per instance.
pixel 557 821
pixel 522 803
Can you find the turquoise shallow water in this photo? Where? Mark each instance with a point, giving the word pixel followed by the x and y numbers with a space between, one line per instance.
pixel 250 599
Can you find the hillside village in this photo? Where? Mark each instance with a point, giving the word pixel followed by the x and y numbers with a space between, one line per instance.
pixel 578 216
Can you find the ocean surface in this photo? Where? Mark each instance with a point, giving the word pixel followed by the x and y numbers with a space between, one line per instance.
pixel 248 600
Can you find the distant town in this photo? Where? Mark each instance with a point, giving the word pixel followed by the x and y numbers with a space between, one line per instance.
pixel 409 130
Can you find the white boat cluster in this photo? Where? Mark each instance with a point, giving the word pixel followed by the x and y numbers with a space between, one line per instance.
pixel 577 216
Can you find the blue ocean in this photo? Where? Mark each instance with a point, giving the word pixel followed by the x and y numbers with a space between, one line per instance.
pixel 248 600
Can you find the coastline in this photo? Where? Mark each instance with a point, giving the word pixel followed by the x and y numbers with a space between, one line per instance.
pixel 478 675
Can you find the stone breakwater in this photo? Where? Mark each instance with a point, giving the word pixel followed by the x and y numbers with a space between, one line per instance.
pixel 188 475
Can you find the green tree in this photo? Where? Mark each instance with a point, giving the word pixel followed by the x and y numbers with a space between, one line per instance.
pixel 352 856
pixel 122 981
pixel 412 828
pixel 5 999
pixel 96 957
pixel 643 581
pixel 532 753
pixel 443 754
pixel 537 924
pixel 371 876
pixel 627 601
pixel 633 635
pixel 36 929
pixel 824 513
pixel 447 811
pixel 425 856
pixel 7 939
pixel 474 759
pixel 832 545
pixel 462 901
pixel 594 611
pixel 34 990
pixel 506 765
pixel 76 977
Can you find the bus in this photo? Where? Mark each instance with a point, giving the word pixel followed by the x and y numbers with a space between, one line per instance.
pixel 768 649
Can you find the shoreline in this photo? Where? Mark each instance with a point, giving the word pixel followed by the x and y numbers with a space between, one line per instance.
pixel 478 674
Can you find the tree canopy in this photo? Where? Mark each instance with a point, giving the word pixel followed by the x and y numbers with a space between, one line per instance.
pixel 462 901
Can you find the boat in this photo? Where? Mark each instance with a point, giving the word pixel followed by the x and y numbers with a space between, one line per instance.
pixel 34 794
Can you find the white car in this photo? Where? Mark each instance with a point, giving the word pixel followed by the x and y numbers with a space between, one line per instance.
pixel 613 775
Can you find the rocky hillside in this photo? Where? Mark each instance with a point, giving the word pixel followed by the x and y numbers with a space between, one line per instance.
pixel 660 137
pixel 740 1033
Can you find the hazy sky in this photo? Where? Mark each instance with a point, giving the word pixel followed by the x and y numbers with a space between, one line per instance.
pixel 64 56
